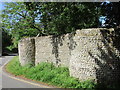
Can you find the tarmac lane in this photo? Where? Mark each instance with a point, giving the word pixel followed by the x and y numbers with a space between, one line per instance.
pixel 9 81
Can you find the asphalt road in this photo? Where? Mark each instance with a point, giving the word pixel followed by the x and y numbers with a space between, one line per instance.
pixel 9 81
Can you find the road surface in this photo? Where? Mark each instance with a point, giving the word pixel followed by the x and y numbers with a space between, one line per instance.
pixel 9 81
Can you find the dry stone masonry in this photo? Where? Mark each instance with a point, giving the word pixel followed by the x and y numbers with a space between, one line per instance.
pixel 27 51
pixel 88 53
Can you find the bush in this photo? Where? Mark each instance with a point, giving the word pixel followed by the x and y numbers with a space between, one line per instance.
pixel 47 72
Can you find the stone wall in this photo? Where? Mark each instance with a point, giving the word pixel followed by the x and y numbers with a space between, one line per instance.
pixel 94 56
pixel 88 53
pixel 53 49
pixel 27 51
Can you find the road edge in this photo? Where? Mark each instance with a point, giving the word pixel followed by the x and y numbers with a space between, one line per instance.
pixel 24 79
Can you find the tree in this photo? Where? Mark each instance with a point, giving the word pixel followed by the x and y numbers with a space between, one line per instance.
pixel 27 19
pixel 19 22
pixel 111 10
pixel 59 18
pixel 6 40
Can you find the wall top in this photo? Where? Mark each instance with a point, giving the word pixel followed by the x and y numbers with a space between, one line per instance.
pixel 79 32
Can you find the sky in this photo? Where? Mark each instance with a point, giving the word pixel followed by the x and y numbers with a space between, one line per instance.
pixel 1 5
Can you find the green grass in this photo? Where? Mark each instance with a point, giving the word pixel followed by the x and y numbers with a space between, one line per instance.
pixel 48 73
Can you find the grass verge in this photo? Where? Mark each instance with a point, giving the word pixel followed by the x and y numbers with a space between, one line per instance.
pixel 48 73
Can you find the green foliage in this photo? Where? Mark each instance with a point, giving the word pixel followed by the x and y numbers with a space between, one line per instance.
pixel 60 18
pixel 111 11
pixel 19 22
pixel 48 73
pixel 6 40
pixel 28 19
pixel 14 66
pixel 10 47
